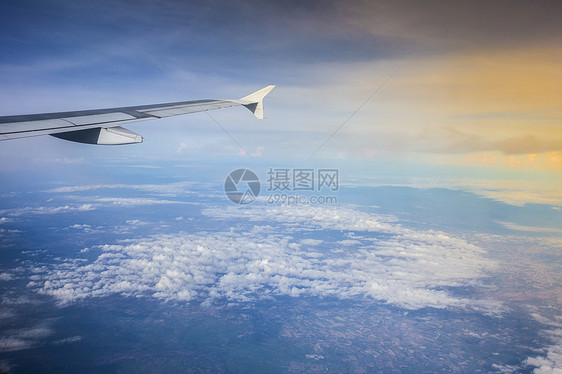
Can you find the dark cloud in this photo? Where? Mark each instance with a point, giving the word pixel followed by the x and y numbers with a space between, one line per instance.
pixel 446 24
pixel 117 38
pixel 528 144
pixel 305 31
pixel 301 31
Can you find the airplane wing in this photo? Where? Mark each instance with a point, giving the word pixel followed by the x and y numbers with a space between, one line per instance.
pixel 103 126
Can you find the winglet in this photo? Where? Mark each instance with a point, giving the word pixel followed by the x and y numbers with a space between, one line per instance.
pixel 254 101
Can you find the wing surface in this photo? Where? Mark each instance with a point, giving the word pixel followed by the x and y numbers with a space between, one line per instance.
pixel 83 126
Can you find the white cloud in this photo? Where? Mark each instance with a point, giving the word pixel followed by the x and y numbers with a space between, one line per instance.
pixel 69 340
pixel 136 222
pixel 16 340
pixel 18 300
pixel 63 160
pixel 6 277
pixel 82 227
pixel 93 204
pixel 86 203
pixel 11 343
pixel 505 369
pixel 516 227
pixel 132 201
pixel 551 363
pixel 171 188
pixel 402 266
pixel 311 242
pixel 47 210
pixel 328 218
pixel 182 147
pixel 257 153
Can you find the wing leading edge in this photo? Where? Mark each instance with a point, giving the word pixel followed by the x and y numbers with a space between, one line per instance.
pixel 103 126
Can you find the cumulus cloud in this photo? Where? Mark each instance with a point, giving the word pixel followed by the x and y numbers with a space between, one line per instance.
pixel 380 260
pixel 551 363
pixel 329 218
pixel 82 227
pixel 6 277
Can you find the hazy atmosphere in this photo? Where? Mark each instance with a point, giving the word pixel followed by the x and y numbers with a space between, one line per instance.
pixel 410 188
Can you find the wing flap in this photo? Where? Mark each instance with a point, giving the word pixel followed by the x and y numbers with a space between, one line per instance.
pixel 101 135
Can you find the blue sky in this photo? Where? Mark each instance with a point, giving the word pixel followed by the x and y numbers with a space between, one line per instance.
pixel 474 92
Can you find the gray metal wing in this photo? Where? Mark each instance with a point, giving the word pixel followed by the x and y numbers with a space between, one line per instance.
pixel 103 126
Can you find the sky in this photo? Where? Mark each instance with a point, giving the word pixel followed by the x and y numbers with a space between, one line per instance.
pixel 419 105
pixel 441 85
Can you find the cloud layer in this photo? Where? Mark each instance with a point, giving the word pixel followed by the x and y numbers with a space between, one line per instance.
pixel 446 25
pixel 350 254
pixel 551 363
